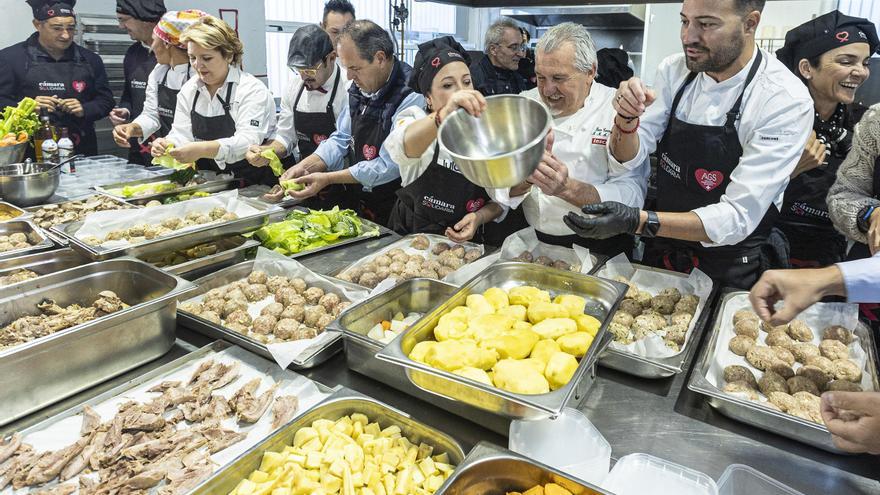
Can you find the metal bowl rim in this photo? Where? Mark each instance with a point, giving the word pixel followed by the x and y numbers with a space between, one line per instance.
pixel 50 170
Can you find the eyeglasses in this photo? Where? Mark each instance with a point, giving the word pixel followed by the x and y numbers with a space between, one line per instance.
pixel 517 47
pixel 309 72
pixel 61 29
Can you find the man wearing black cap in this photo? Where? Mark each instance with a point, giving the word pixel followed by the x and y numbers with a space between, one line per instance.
pixel 830 54
pixel 138 18
pixel 66 79
pixel 315 96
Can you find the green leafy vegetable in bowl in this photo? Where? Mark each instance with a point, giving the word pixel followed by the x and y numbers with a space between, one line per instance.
pixel 274 161
pixel 21 118
pixel 302 230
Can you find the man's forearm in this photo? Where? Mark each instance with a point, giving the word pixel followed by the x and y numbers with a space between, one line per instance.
pixel 685 226
pixel 624 145
pixel 579 193
pixel 313 163
pixel 341 177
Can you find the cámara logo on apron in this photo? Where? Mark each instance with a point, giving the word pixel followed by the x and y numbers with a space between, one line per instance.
pixel 79 86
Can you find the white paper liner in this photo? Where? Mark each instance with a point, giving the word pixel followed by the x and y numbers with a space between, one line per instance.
pixel 101 223
pixel 404 244
pixel 818 317
pixel 66 431
pixel 273 264
pixel 697 283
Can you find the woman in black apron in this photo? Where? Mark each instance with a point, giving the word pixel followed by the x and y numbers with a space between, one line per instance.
pixel 157 118
pixel 436 198
pixel 216 53
pixel 825 53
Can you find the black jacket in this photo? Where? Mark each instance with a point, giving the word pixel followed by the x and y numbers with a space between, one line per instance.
pixel 136 56
pixel 490 80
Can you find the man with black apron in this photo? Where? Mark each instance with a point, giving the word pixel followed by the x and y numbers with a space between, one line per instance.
pixel 378 94
pixel 138 18
pixel 314 98
pixel 66 79
pixel 731 122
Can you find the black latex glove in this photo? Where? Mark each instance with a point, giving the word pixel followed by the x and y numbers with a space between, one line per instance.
pixel 612 218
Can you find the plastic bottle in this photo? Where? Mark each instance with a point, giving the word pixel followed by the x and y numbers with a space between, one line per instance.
pixel 65 151
pixel 49 148
pixel 44 132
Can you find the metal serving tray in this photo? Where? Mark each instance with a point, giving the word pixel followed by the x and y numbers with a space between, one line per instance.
pixel 756 415
pixel 178 240
pixel 491 470
pixel 342 403
pixel 214 182
pixel 368 225
pixel 43 263
pixel 603 297
pixel 15 212
pixel 655 368
pixel 60 239
pixel 36 236
pixel 218 331
pixel 418 295
pixel 48 369
pixel 232 250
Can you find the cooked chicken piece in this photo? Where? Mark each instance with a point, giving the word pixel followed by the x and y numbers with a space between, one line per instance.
pixel 220 438
pixel 91 421
pixel 50 466
pixel 19 477
pixel 9 448
pixel 82 460
pixel 143 421
pixel 248 407
pixel 283 410
pixel 65 489
pixel 203 367
pixel 109 302
pixel 146 479
pixel 9 468
pixel 49 307
pixel 185 480
pixel 216 408
pixel 166 385
pixel 149 449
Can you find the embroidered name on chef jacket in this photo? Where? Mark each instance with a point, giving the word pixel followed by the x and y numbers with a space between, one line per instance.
pixel 139 85
pixel 600 136
pixel 436 204
pixel 52 86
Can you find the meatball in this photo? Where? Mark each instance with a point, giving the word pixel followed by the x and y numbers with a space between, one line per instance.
pixel 329 301
pixel 676 333
pixel 211 316
pixel 369 279
pixel 286 328
pixel 631 307
pixel 821 362
pixel 474 254
pixel 298 284
pixel 761 357
pixel 324 321
pixel 341 306
pixel 802 384
pixel 235 295
pixel 241 317
pixel 833 349
pixel 192 307
pixel 619 332
pixel 803 350
pixel 683 319
pixel 452 262
pixel 844 369
pixel 444 271
pixel 749 328
pixel 457 251
pixel 782 400
pixel 837 332
pixel 232 306
pixel 383 272
pixel 352 274
pixel 439 248
pixel 770 328
pixel 312 314
pixel 285 295
pixel 293 313
pixel 644 298
pixel 238 328
pixel 400 258
pixel 651 322
pixel 685 306
pixel 737 373
pixel 779 339
pixel 800 331
pixel 544 260
pixel 672 292
pixel 816 375
pixel 623 318
pixel 410 273
pixel 525 256
pixel 641 332
pixel 782 369
pixel 771 382
pixel 172 223
pixel 420 242
pixel 745 314
pixel 741 388
pixel 396 267
pixel 844 386
pixel 217 293
pixel 258 277
pixel 784 355
pixel 264 324
pixel 216 213
pixel 136 231
pixel 301 332
pixel 215 305
pixel 256 292
pixel 272 309
pixel 427 273
pixel 741 345
pixel 395 252
pixel 663 304
pixel 412 266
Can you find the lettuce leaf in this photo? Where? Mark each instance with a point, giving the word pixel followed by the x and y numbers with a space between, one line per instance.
pixel 304 230
pixel 274 162
pixel 169 161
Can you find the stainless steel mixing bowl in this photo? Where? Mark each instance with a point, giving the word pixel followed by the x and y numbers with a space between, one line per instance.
pixel 28 184
pixel 503 146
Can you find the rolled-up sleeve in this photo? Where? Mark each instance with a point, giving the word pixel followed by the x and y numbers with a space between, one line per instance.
pixel 769 157
pixel 625 184
pixel 410 168
pixel 254 120
pixel 862 279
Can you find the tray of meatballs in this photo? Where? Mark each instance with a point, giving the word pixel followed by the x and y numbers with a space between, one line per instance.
pixel 773 377
pixel 269 302
pixel 413 256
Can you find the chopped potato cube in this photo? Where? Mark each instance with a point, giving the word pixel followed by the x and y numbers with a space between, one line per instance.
pixel 536 490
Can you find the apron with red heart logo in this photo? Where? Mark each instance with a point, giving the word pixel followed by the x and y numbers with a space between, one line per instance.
pixel 368 134
pixel 137 90
pixel 438 199
pixel 693 170
pixel 65 79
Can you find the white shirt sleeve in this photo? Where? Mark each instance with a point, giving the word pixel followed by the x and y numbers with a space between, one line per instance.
pixel 410 168
pixel 627 185
pixel 285 132
pixel 254 115
pixel 148 120
pixel 181 129
pixel 769 156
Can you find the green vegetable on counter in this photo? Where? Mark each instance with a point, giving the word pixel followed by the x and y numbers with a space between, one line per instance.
pixel 185 196
pixel 21 118
pixel 274 161
pixel 169 161
pixel 302 231
pixel 292 185
pixel 143 189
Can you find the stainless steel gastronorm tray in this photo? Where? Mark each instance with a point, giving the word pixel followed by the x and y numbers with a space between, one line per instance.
pixel 36 236
pixel 15 212
pixel 379 230
pixel 654 368
pixel 177 240
pixel 43 263
pixel 214 183
pixel 46 370
pixel 232 250
pixel 60 239
pixel 759 416
pixel 218 331
pixel 342 403
pixel 491 470
pixel 418 295
pixel 602 295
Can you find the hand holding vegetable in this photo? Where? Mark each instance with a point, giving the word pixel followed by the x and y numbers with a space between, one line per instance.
pixel 160 146
pixel 313 183
pixel 274 161
pixel 254 156
pixel 168 160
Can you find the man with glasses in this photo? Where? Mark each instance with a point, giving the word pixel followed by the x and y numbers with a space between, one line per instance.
pixel 315 96
pixel 496 73
pixel 66 79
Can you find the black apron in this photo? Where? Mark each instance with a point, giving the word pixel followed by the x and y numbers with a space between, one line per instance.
pixel 693 170
pixel 69 79
pixel 137 88
pixel 223 126
pixel 166 103
pixel 312 128
pixel 368 134
pixel 438 199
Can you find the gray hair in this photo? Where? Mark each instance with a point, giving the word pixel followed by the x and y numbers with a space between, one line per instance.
pixel 369 38
pixel 569 32
pixel 495 33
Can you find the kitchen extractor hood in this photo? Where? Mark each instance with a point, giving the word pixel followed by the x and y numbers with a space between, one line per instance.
pixel 595 16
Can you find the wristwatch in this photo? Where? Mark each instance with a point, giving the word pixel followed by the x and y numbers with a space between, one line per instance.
pixel 652 225
pixel 864 217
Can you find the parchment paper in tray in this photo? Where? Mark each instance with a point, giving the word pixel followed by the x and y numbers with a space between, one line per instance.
pixel 697 283
pixel 60 434
pixel 818 317
pixel 101 223
pixel 276 264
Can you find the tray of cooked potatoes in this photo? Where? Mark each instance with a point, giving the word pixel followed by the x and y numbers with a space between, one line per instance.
pixel 773 377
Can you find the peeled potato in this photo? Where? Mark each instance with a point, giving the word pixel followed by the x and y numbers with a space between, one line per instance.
pixel 479 305
pixel 526 295
pixel 553 328
pixel 516 344
pixel 515 310
pixel 451 355
pixel 574 304
pixel 475 374
pixel 519 377
pixel 496 297
pixel 560 369
pixel 576 343
pixel 543 349
pixel 540 311
pixel 587 323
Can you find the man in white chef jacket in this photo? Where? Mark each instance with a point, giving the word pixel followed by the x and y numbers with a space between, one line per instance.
pixel 578 170
pixel 728 124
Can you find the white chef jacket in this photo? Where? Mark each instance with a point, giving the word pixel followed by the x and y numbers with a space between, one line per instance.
pixel 252 108
pixel 776 118
pixel 177 76
pixel 311 101
pixel 581 143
